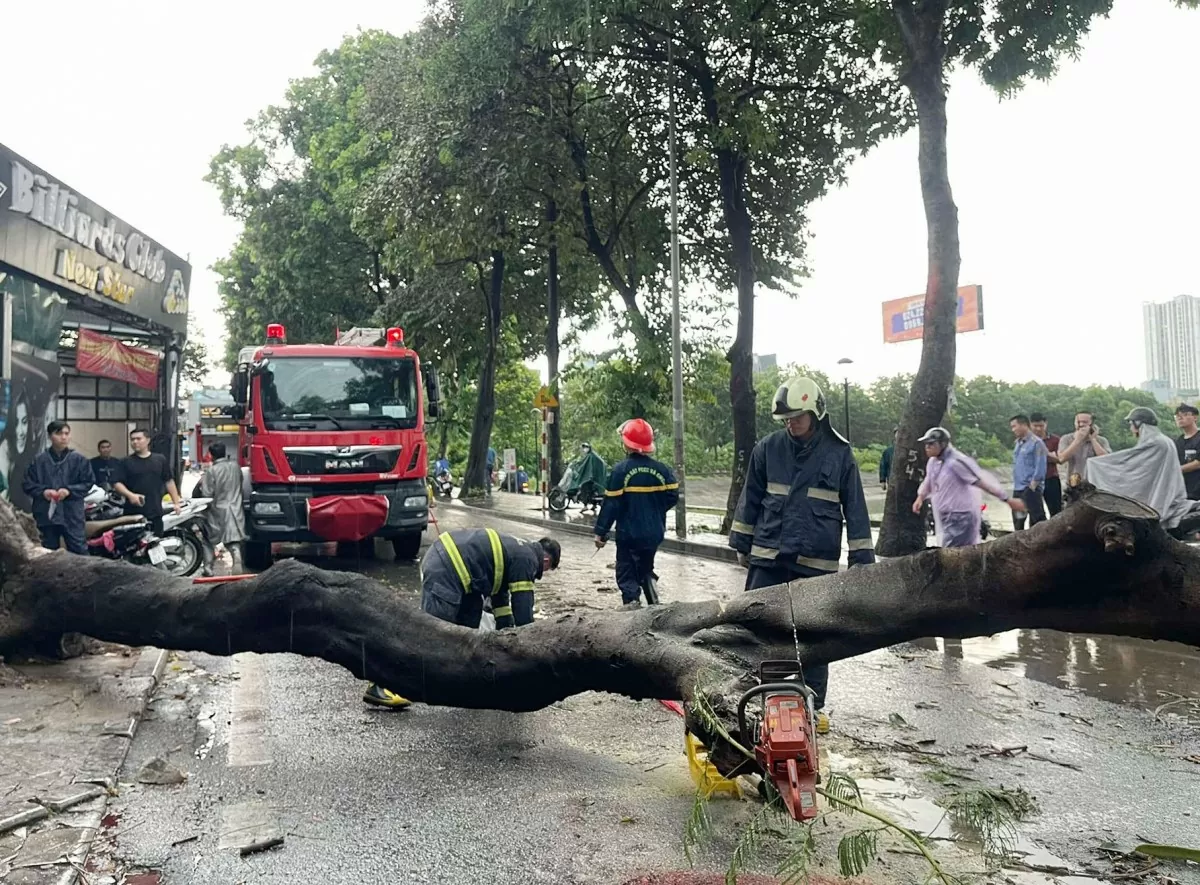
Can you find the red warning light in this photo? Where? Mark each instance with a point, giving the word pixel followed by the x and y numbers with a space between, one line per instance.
pixel 276 332
pixel 395 337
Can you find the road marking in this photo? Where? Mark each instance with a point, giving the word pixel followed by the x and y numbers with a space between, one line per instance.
pixel 249 737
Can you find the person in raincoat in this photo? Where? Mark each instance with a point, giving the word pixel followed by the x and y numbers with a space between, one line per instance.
pixel 225 516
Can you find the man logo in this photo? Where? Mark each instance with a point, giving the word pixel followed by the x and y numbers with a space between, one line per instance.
pixel 345 464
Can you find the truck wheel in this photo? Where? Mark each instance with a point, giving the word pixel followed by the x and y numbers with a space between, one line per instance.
pixel 406 547
pixel 256 555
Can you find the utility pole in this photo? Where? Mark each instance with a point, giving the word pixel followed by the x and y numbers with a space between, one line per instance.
pixel 676 326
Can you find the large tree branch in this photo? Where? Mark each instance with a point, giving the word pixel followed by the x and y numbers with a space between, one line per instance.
pixel 1103 566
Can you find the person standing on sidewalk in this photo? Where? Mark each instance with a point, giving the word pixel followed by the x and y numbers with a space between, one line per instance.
pixel 802 482
pixel 1051 485
pixel 142 479
pixel 104 464
pixel 885 461
pixel 1188 447
pixel 640 492
pixel 1029 467
pixel 226 516
pixel 1074 449
pixel 57 482
pixel 952 483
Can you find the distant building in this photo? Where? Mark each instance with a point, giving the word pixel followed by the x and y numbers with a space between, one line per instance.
pixel 1172 331
pixel 763 362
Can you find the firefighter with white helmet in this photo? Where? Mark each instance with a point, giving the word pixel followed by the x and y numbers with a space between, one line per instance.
pixel 802 484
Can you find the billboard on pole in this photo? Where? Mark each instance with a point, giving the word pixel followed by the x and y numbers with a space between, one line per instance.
pixel 904 318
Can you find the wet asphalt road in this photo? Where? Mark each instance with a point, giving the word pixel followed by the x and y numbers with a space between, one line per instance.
pixel 596 789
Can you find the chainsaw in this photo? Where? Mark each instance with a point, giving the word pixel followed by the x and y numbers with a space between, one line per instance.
pixel 784 735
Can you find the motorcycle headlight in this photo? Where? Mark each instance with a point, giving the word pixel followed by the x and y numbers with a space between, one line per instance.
pixel 415 501
pixel 267 508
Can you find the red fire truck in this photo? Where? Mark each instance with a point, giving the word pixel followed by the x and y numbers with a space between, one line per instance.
pixel 332 441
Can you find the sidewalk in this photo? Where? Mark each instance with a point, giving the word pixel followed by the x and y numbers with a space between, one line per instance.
pixel 65 730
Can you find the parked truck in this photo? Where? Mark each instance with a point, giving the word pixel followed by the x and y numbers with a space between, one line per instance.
pixel 332 442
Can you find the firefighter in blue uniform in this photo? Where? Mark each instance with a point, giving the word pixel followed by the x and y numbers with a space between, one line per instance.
pixel 801 485
pixel 466 566
pixel 640 492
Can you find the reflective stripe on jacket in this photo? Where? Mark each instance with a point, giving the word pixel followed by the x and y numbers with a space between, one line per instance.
pixel 795 499
pixel 487 562
pixel 640 492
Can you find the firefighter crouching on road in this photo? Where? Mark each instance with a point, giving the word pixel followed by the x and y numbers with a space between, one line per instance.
pixel 640 492
pixel 802 481
pixel 465 566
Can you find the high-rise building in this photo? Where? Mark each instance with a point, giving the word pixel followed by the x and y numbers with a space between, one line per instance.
pixel 1172 331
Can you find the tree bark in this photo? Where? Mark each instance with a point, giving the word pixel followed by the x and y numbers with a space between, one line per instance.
pixel 921 27
pixel 552 343
pixel 1103 566
pixel 485 410
pixel 733 169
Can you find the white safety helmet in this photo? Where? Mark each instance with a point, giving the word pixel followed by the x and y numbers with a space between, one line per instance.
pixel 796 396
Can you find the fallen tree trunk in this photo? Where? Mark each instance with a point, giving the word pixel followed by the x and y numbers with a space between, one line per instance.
pixel 1103 566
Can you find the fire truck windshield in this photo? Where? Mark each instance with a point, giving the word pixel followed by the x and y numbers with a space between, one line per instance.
pixel 338 393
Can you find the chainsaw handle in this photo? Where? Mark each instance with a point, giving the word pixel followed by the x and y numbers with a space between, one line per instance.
pixel 797 688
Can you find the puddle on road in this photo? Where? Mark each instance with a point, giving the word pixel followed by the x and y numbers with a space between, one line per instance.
pixel 895 798
pixel 1117 669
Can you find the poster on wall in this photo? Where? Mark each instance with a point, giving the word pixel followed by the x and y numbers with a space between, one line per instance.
pixel 107 357
pixel 38 313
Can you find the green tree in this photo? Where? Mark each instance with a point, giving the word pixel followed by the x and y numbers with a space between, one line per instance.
pixel 1008 43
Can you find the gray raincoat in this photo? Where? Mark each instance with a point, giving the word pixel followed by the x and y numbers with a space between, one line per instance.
pixel 225 516
pixel 1149 472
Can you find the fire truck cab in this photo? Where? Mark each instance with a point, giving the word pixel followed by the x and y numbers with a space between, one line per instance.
pixel 332 441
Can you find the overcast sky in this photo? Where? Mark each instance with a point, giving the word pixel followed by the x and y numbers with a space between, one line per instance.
pixel 1078 198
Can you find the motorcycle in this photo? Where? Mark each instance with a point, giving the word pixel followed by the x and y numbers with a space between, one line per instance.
pixel 443 484
pixel 113 535
pixel 582 482
pixel 185 539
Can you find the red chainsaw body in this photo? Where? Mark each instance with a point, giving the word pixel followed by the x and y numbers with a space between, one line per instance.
pixel 787 752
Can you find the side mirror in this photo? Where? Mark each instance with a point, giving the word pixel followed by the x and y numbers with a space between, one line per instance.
pixel 238 387
pixel 433 393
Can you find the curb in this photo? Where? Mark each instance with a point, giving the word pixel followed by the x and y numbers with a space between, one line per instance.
pixel 671 545
pixel 84 810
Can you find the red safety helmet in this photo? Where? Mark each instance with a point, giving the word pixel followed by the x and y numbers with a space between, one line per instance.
pixel 637 435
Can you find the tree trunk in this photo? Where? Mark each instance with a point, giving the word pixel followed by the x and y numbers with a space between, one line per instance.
pixel 475 480
pixel 733 169
pixel 552 343
pixel 904 531
pixel 1103 566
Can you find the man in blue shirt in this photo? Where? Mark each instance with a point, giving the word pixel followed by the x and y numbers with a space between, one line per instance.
pixel 1029 466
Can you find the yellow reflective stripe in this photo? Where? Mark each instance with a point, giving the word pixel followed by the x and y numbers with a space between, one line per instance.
pixel 521 587
pixel 663 488
pixel 763 552
pixel 742 528
pixel 860 544
pixel 825 565
pixel 497 560
pixel 824 494
pixel 778 488
pixel 611 493
pixel 503 611
pixel 456 560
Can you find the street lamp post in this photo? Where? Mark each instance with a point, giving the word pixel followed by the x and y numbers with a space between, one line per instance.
pixel 845 361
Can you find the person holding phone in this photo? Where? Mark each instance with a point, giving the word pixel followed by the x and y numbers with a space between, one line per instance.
pixel 1074 449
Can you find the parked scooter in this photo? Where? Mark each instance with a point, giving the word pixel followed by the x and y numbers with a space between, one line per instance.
pixel 185 539
pixel 113 535
pixel 582 482
pixel 443 484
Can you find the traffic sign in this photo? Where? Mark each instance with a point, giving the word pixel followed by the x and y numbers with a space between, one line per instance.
pixel 545 399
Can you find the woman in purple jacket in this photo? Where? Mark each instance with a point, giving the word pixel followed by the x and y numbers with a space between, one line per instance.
pixel 952 482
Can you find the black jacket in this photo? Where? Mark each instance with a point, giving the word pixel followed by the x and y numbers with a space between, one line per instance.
pixel 487 562
pixel 71 472
pixel 640 492
pixel 795 498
